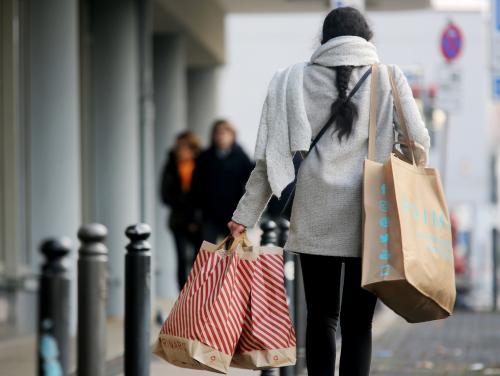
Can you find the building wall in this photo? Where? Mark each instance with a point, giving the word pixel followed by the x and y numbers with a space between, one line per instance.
pixel 68 160
pixel 15 250
pixel 201 21
pixel 256 48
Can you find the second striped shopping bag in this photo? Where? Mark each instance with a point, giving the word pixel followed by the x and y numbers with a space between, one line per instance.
pixel 268 336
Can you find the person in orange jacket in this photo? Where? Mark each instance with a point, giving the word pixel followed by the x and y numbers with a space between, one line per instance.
pixel 176 186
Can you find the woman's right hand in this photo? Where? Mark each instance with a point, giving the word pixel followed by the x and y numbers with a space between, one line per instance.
pixel 236 229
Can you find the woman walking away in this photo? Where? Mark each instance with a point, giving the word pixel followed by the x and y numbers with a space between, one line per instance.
pixel 175 193
pixel 219 180
pixel 332 88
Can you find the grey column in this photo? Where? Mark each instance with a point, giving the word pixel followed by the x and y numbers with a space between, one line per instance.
pixel 54 205
pixel 146 119
pixel 115 122
pixel 170 96
pixel 202 100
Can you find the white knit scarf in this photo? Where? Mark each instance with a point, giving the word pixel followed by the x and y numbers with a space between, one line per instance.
pixel 284 127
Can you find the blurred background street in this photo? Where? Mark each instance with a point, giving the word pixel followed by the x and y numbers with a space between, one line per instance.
pixel 100 101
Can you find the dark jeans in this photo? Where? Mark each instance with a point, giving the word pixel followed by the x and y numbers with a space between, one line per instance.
pixel 185 245
pixel 326 303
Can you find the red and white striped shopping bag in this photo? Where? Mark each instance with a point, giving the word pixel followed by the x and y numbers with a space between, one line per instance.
pixel 204 326
pixel 268 336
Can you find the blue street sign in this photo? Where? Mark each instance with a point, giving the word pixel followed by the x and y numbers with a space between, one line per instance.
pixel 451 42
pixel 496 87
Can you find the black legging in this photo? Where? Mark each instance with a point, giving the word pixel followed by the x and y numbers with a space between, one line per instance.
pixel 322 283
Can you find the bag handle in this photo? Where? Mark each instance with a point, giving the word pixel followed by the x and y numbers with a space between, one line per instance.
pixel 230 243
pixel 372 130
pixel 373 114
pixel 399 110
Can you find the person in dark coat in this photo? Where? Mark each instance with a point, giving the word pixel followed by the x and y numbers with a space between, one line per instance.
pixel 219 180
pixel 176 185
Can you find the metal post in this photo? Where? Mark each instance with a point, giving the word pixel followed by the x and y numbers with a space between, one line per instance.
pixel 137 301
pixel 92 291
pixel 495 268
pixel 444 151
pixel 289 265
pixel 269 237
pixel 54 309
pixel 300 321
pixel 146 103
pixel 269 234
pixel 289 271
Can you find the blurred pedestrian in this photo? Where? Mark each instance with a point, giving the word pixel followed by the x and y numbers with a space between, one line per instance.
pixel 325 224
pixel 176 185
pixel 219 180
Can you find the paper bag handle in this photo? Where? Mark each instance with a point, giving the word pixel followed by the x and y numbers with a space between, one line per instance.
pixel 408 142
pixel 373 114
pixel 372 130
pixel 232 242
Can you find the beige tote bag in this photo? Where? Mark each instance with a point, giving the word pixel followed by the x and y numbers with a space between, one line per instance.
pixel 407 247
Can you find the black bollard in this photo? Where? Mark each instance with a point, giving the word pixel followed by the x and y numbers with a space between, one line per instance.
pixel 284 228
pixel 137 301
pixel 289 271
pixel 54 309
pixel 92 291
pixel 269 237
pixel 494 242
pixel 300 321
pixel 289 265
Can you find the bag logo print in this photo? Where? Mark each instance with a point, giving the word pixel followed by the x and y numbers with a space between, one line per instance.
pixel 384 254
pixel 434 221
pixel 429 217
pixel 384 222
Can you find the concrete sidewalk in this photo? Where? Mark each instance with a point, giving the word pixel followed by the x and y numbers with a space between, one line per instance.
pixel 468 343
pixel 382 322
pixel 162 368
pixel 18 355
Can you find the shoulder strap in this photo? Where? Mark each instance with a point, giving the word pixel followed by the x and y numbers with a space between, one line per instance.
pixel 372 130
pixel 397 101
pixel 334 115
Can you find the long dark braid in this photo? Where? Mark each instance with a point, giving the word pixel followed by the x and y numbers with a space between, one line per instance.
pixel 346 111
pixel 340 22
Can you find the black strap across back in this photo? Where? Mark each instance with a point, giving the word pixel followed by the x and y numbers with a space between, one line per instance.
pixel 284 204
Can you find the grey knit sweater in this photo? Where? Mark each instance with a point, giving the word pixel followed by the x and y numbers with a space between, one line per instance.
pixel 326 215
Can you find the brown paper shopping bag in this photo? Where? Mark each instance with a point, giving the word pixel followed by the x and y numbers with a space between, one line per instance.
pixel 407 249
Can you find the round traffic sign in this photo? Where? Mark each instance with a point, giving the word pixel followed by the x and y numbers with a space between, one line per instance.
pixel 451 42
